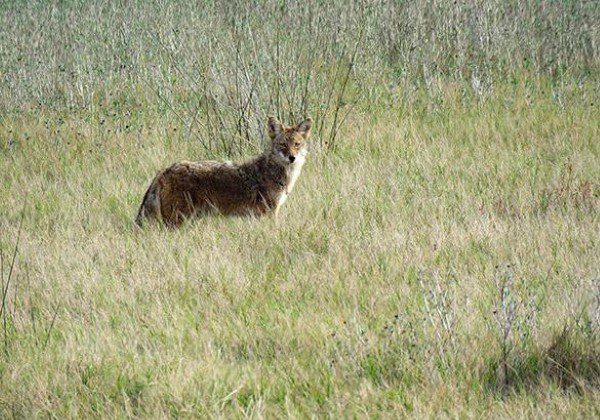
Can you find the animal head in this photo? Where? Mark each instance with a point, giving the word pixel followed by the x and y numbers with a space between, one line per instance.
pixel 289 143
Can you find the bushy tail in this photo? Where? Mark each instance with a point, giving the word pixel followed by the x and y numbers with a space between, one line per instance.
pixel 150 207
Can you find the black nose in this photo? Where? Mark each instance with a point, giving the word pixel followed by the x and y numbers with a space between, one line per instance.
pixel 292 158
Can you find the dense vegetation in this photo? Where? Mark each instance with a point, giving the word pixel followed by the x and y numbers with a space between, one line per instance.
pixel 439 255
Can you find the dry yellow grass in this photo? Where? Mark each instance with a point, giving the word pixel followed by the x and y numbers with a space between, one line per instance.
pixel 438 257
pixel 375 292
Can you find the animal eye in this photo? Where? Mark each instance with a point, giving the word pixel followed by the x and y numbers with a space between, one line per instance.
pixel 297 144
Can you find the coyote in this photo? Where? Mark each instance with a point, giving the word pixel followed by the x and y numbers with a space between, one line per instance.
pixel 257 187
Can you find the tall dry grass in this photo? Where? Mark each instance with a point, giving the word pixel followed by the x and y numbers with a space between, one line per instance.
pixel 439 255
pixel 220 66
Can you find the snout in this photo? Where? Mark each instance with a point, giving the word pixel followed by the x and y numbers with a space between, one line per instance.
pixel 292 159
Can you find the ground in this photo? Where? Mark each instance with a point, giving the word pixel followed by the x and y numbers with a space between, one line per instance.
pixel 438 256
pixel 384 287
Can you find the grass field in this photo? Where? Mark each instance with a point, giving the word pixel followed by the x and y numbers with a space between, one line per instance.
pixel 439 256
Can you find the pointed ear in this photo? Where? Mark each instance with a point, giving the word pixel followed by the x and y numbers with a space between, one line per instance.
pixel 304 127
pixel 275 127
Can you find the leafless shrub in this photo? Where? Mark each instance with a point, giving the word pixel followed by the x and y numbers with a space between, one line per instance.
pixel 440 312
pixel 220 68
pixel 506 308
pixel 570 359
